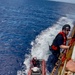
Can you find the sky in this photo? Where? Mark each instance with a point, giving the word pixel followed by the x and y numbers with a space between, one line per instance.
pixel 68 1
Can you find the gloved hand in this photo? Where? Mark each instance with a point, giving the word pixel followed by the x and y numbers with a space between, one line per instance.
pixel 69 47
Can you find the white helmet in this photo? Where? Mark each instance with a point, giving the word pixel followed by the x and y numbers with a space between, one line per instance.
pixel 35 58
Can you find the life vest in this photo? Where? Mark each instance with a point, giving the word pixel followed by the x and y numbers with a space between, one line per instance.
pixel 64 36
pixel 33 61
pixel 64 42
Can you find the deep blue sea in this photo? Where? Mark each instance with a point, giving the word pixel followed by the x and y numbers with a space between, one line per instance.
pixel 25 21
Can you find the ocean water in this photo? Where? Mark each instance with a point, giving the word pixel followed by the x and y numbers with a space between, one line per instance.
pixel 27 28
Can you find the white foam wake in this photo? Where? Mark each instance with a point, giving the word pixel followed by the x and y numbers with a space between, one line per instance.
pixel 67 1
pixel 40 46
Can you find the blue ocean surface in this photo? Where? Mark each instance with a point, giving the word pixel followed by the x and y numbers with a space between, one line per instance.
pixel 21 21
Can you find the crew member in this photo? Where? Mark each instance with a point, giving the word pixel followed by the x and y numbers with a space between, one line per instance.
pixel 58 43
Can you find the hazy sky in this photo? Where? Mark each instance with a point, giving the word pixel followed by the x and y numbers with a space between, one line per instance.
pixel 68 1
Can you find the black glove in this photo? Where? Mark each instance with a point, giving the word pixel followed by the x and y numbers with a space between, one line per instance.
pixel 69 47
